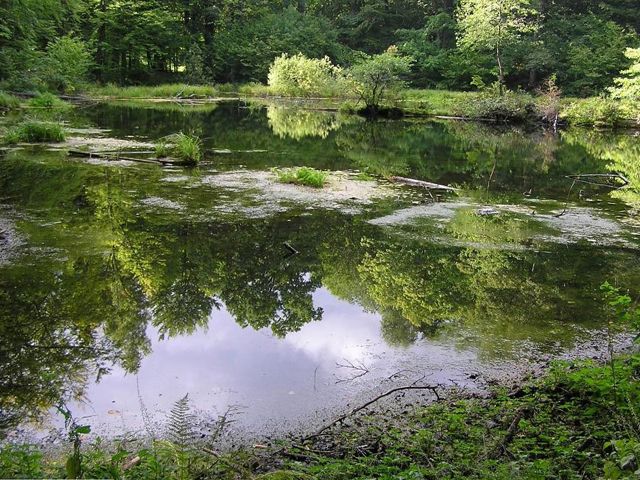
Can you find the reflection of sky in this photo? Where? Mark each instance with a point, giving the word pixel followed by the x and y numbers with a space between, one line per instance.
pixel 275 380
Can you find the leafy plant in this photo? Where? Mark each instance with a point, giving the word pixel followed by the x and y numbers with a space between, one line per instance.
pixel 379 77
pixel 596 111
pixel 309 177
pixel 298 75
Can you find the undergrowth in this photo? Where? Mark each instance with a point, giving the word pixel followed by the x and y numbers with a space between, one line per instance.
pixel 48 101
pixel 8 101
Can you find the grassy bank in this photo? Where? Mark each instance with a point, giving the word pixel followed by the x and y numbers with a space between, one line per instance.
pixel 512 107
pixel 580 420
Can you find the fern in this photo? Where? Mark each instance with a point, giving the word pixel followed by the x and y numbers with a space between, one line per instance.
pixel 180 429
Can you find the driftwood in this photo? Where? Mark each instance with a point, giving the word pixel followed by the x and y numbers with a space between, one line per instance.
pixel 116 156
pixel 422 184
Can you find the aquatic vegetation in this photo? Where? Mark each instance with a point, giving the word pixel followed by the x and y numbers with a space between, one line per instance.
pixel 48 101
pixel 184 147
pixel 35 131
pixel 8 101
pixel 306 176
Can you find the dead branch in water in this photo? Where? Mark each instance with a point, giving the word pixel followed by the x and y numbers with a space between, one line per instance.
pixel 116 157
pixel 343 417
pixel 605 176
pixel 421 183
pixel 360 369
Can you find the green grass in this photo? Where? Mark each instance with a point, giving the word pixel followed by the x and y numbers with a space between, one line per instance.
pixel 186 148
pixel 8 101
pixel 47 101
pixel 31 131
pixel 174 90
pixel 306 176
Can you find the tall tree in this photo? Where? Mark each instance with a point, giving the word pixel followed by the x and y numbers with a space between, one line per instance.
pixel 494 25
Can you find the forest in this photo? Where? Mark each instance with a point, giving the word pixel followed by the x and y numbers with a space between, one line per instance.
pixel 58 44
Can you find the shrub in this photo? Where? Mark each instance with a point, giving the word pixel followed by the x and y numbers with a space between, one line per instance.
pixel 47 100
pixel 65 65
pixel 309 177
pixel 493 102
pixel 298 75
pixel 595 111
pixel 378 78
pixel 184 147
pixel 34 131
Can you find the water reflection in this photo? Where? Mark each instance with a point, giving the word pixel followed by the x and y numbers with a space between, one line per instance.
pixel 102 276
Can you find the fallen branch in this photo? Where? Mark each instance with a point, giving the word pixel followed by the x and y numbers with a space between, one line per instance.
pixel 116 157
pixel 343 417
pixel 421 183
pixel 511 432
pixel 611 176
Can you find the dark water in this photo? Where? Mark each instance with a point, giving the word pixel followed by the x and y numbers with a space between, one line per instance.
pixel 125 285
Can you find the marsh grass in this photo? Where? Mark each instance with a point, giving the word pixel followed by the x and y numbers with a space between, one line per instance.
pixel 48 101
pixel 8 101
pixel 184 147
pixel 306 176
pixel 36 132
pixel 172 90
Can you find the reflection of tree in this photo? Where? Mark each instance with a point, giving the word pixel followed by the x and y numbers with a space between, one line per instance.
pixel 620 150
pixel 297 123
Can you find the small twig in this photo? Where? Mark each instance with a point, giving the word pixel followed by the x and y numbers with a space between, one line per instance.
pixel 360 368
pixel 511 432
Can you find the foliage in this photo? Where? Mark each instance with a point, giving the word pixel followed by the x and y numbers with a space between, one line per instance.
pixel 300 76
pixel 8 102
pixel 494 26
pixel 47 101
pixel 186 148
pixel 595 111
pixel 35 131
pixel 627 86
pixel 244 50
pixel 309 177
pixel 496 103
pixel 379 77
pixel 65 65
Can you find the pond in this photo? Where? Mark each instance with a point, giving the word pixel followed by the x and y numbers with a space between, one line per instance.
pixel 125 286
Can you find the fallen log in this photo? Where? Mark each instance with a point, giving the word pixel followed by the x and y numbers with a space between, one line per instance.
pixel 422 184
pixel 116 157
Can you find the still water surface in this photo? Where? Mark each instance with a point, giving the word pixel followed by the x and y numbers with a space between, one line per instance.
pixel 125 286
